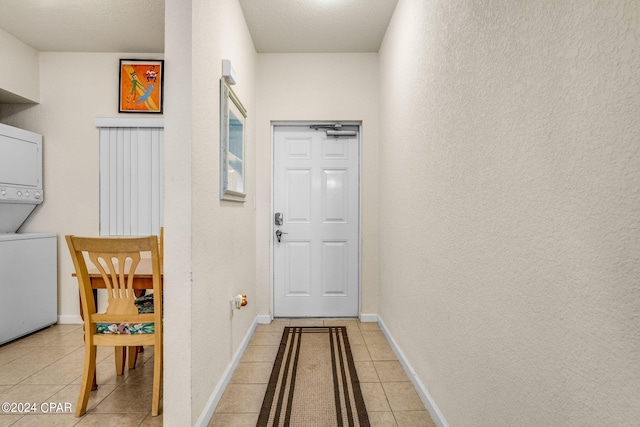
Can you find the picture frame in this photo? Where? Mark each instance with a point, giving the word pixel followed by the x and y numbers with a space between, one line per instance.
pixel 141 85
pixel 233 117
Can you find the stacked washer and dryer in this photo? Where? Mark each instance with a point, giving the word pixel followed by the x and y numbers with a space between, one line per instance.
pixel 28 261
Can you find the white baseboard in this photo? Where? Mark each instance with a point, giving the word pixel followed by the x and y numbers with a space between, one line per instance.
pixel 263 319
pixel 210 407
pixel 368 317
pixel 70 319
pixel 436 415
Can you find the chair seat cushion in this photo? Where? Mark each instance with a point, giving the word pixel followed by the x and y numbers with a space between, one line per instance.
pixel 145 306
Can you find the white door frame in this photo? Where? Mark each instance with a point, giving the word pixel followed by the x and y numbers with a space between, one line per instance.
pixel 272 229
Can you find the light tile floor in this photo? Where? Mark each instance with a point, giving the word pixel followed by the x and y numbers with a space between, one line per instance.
pixel 389 396
pixel 45 368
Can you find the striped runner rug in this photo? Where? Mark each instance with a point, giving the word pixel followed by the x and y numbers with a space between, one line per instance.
pixel 314 381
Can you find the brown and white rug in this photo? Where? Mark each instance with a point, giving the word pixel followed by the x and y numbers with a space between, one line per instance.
pixel 314 381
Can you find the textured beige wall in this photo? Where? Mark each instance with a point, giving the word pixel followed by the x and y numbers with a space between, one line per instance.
pixel 223 233
pixel 19 70
pixel 299 87
pixel 178 347
pixel 510 210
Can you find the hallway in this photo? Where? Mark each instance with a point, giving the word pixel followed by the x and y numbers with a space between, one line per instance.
pixel 389 396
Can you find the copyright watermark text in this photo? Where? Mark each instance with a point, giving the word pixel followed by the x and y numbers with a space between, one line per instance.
pixel 43 408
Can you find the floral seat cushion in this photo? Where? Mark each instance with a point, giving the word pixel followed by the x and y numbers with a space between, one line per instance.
pixel 145 306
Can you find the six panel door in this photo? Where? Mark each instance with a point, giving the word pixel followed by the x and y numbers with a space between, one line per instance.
pixel 316 188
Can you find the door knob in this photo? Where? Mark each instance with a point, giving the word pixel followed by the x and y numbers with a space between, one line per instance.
pixel 279 235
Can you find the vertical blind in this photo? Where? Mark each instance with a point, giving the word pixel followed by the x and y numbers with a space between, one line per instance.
pixel 131 177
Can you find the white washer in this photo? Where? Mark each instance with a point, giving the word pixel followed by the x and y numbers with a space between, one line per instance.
pixel 28 283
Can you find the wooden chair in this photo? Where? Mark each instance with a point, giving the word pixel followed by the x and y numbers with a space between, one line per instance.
pixel 122 325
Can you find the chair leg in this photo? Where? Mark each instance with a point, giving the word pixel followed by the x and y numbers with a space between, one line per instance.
pixel 133 356
pixel 120 355
pixel 87 378
pixel 157 380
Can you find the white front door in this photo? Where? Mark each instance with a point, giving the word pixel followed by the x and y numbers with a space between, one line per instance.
pixel 316 192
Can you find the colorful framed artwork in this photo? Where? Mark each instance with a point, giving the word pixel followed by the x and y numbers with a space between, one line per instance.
pixel 141 86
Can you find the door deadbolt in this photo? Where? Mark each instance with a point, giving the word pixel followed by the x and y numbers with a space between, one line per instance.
pixel 279 218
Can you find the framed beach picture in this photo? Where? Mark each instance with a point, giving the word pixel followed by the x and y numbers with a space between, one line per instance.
pixel 233 118
pixel 141 86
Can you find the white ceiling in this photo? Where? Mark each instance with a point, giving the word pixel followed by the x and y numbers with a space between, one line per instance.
pixel 282 26
pixel 86 25
pixel 137 26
